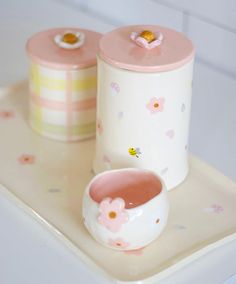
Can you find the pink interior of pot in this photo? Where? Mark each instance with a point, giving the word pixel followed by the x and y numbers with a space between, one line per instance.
pixel 136 187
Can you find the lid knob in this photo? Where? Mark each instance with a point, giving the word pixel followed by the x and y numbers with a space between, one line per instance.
pixel 69 40
pixel 147 39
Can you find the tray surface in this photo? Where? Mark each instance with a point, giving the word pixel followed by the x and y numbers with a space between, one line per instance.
pixel 47 179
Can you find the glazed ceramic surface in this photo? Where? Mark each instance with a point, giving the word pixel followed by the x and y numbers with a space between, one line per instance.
pixel 133 132
pixel 46 179
pixel 144 103
pixel 63 85
pixel 125 209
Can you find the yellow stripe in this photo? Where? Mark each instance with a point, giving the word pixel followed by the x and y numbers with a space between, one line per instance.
pixel 60 84
pixel 82 85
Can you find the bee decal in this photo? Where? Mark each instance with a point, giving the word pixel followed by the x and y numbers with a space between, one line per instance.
pixel 134 152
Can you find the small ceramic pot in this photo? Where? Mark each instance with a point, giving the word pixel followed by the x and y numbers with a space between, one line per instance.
pixel 125 209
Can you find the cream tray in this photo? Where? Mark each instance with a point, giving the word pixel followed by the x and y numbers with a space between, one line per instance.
pixel 47 179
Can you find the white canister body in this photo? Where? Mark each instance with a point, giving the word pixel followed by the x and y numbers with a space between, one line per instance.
pixel 143 120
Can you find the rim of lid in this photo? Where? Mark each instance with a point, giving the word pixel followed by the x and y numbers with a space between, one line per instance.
pixel 117 49
pixel 42 49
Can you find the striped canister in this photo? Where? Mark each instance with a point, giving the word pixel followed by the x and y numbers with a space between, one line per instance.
pixel 63 78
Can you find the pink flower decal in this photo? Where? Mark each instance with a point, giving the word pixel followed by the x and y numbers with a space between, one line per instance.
pixel 170 133
pixel 215 208
pixel 112 214
pixel 26 159
pixel 118 243
pixel 99 127
pixel 147 39
pixel 115 87
pixel 137 252
pixel 156 105
pixel 107 161
pixel 6 114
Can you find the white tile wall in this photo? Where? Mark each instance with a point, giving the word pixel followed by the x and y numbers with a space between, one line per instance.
pixel 211 24
pixel 214 44
pixel 137 11
pixel 213 119
pixel 125 12
pixel 218 12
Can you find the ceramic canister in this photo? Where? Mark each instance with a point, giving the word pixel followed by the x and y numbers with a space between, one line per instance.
pixel 144 99
pixel 63 79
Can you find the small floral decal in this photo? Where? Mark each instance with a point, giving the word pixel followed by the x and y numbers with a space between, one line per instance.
pixel 107 161
pixel 112 214
pixel 164 171
pixel 70 40
pixel 215 208
pixel 156 105
pixel 115 88
pixel 170 133
pixel 134 152
pixel 179 227
pixel 99 127
pixel 6 114
pixel 54 190
pixel 120 114
pixel 137 252
pixel 26 159
pixel 147 39
pixel 118 243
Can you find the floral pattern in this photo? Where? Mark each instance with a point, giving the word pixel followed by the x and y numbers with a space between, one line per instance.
pixel 115 87
pixel 170 133
pixel 215 208
pixel 6 114
pixel 137 252
pixel 118 243
pixel 156 105
pixel 70 40
pixel 99 127
pixel 179 227
pixel 112 214
pixel 107 161
pixel 120 114
pixel 26 159
pixel 183 107
pixel 147 39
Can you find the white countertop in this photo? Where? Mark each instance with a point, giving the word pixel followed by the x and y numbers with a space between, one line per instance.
pixel 29 254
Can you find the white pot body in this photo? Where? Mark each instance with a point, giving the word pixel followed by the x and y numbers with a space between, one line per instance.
pixel 145 222
pixel 63 102
pixel 126 119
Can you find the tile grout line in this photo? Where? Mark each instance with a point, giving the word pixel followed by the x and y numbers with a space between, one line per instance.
pixel 91 12
pixel 215 67
pixel 195 15
pixel 185 26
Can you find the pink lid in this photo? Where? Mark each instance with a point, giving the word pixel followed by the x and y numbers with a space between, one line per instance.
pixel 172 49
pixel 43 49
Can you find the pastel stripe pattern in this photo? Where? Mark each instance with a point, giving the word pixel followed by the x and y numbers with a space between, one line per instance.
pixel 63 103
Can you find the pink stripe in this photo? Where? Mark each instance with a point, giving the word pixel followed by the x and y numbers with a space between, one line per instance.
pixel 69 113
pixel 56 105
